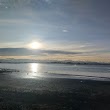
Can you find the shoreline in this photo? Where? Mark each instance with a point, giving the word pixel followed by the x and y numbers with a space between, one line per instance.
pixel 56 75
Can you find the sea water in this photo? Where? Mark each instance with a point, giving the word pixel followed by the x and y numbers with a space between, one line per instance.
pixel 50 70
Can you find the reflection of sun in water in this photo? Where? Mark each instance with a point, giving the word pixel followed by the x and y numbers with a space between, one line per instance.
pixel 34 69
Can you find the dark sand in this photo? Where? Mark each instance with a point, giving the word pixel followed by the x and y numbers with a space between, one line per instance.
pixel 53 94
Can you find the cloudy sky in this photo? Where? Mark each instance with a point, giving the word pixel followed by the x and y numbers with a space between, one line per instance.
pixel 65 29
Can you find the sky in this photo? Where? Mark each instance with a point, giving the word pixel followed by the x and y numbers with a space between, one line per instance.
pixel 76 30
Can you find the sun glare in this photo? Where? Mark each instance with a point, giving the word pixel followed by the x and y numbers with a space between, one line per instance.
pixel 35 45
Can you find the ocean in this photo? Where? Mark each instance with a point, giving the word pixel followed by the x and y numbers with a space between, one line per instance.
pixel 48 70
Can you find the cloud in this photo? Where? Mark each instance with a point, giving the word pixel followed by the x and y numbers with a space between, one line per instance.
pixel 59 52
pixel 65 30
pixel 24 51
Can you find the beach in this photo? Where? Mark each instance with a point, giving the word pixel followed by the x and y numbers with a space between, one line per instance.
pixel 53 94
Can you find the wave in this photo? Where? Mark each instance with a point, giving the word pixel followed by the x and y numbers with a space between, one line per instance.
pixel 71 76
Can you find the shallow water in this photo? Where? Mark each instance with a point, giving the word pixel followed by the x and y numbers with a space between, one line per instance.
pixel 37 70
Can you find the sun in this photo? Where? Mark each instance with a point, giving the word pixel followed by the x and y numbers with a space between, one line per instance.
pixel 35 45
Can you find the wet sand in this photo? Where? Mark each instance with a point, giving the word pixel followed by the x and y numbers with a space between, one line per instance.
pixel 53 94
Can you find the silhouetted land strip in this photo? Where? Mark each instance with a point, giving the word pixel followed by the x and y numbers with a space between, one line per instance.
pixel 14 61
